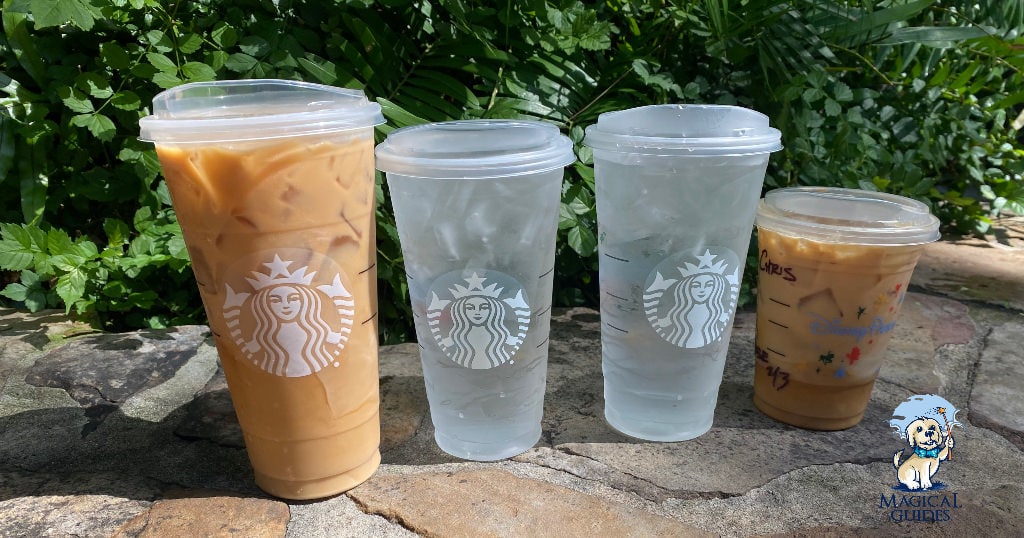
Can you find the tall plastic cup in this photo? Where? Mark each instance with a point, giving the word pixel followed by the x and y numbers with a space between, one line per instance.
pixel 273 185
pixel 834 268
pixel 676 190
pixel 476 203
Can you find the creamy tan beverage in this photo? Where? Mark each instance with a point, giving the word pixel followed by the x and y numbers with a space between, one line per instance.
pixel 834 266
pixel 281 236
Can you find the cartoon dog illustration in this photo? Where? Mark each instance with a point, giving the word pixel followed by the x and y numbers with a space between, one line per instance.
pixel 930 447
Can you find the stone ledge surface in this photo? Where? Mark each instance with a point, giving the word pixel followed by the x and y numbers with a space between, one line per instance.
pixel 134 435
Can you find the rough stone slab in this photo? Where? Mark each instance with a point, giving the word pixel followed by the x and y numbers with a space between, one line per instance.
pixel 101 372
pixel 155 403
pixel 213 515
pixel 70 504
pixel 497 503
pixel 843 496
pixel 403 408
pixel 339 517
pixel 69 515
pixel 975 270
pixel 996 401
pixel 925 325
pixel 211 414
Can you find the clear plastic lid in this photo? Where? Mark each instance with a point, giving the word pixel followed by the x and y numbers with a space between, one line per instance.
pixel 834 215
pixel 684 130
pixel 469 149
pixel 236 110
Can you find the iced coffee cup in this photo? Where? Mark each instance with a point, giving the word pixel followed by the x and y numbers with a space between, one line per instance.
pixel 273 185
pixel 476 204
pixel 834 265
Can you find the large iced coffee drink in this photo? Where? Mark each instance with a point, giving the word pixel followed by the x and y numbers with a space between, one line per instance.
pixel 834 265
pixel 275 197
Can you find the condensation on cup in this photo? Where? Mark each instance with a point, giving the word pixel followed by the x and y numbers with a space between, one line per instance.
pixel 834 266
pixel 272 182
pixel 476 204
pixel 676 186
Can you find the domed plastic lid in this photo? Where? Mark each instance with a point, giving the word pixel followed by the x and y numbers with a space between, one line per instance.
pixel 684 130
pixel 236 110
pixel 834 215
pixel 468 149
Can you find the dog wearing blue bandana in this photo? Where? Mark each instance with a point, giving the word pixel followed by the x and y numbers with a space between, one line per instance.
pixel 930 446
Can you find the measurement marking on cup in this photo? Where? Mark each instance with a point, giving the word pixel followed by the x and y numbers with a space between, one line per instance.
pixel 779 302
pixel 552 270
pixel 369 319
pixel 610 294
pixel 776 352
pixel 368 268
pixel 616 258
pixel 773 322
pixel 542 343
pixel 616 328
pixel 542 312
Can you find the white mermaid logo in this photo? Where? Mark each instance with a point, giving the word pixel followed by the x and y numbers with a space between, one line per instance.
pixel 481 330
pixel 281 325
pixel 700 303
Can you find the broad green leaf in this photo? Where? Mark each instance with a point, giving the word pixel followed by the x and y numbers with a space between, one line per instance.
pixel 17 248
pixel 832 108
pixel 71 287
pixel 158 40
pixel 57 12
pixel 15 291
pixel 323 70
pixel 190 43
pixel 22 42
pixel 75 100
pixel 94 84
pixel 254 46
pixel 224 35
pixel 841 92
pixel 566 218
pixel 114 55
pixel 126 100
pixel 398 115
pixel 162 62
pixel 240 62
pixel 198 72
pixel 582 240
pixel 99 125
pixel 117 232
pixel 166 80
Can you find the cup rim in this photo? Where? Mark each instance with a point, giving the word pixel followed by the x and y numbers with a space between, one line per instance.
pixel 502 148
pixel 619 131
pixel 910 222
pixel 254 109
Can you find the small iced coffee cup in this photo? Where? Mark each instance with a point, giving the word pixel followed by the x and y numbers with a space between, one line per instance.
pixel 834 265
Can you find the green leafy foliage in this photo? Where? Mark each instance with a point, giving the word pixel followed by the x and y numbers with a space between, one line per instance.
pixel 917 97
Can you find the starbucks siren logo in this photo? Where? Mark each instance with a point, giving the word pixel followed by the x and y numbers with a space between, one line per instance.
pixel 478 326
pixel 690 304
pixel 286 325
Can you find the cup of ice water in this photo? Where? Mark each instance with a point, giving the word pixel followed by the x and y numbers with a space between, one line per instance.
pixel 273 185
pixel 476 204
pixel 834 265
pixel 676 190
